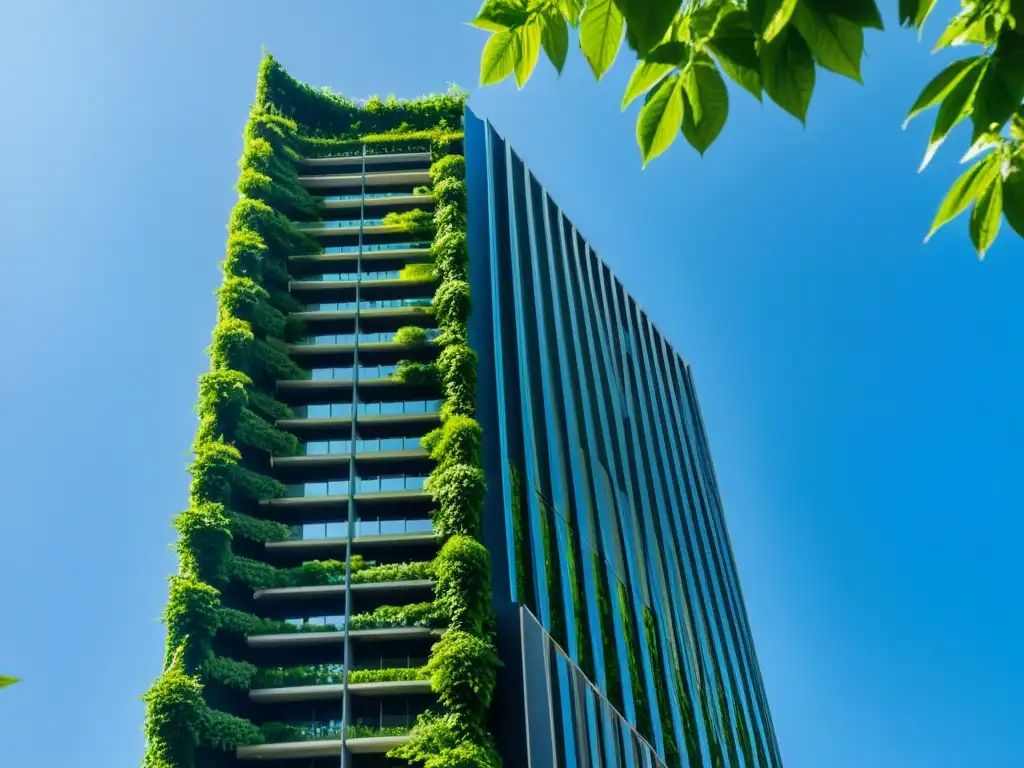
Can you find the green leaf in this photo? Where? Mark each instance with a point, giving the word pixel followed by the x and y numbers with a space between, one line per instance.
pixel 787 69
pixel 942 84
pixel 501 53
pixel 660 118
pixel 5 681
pixel 708 99
pixel 965 191
pixel 571 10
pixel 499 15
pixel 672 52
pixel 644 76
pixel 914 13
pixel 1001 89
pixel 955 33
pixel 601 34
pixel 734 45
pixel 529 37
pixel 955 107
pixel 863 13
pixel 986 216
pixel 648 20
pixel 555 38
pixel 837 43
pixel 769 17
pixel 1013 196
pixel 1017 125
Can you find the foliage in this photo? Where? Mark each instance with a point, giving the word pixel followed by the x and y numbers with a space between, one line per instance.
pixel 524 586
pixel 416 273
pixel 672 756
pixel 5 681
pixel 394 572
pixel 256 529
pixel 191 618
pixel 463 672
pixel 409 372
pixel 389 616
pixel 230 672
pixel 390 675
pixel 411 335
pixel 604 609
pixel 174 710
pixel 360 731
pixel 241 623
pixel 204 541
pixel 775 47
pixel 583 649
pixel 636 669
pixel 438 741
pixel 458 491
pixel 283 677
pixel 463 583
pixel 419 224
pixel 224 731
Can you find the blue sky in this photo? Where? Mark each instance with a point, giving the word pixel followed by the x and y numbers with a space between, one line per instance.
pixel 861 390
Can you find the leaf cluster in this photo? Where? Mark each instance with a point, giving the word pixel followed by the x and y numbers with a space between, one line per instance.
pixel 686 51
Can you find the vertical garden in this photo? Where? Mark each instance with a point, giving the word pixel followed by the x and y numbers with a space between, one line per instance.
pixel 237 436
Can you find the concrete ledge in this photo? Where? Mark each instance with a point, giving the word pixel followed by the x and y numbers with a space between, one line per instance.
pixel 328 590
pixel 293 750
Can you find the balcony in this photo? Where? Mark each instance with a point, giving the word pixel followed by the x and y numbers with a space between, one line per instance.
pixel 338 350
pixel 375 459
pixel 380 257
pixel 383 389
pixel 377 181
pixel 375 420
pixel 369 637
pixel 373 160
pixel 336 690
pixel 397 496
pixel 377 319
pixel 391 201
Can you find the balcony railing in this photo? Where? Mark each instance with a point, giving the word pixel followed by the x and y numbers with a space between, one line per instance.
pixel 352 277
pixel 279 733
pixel 335 249
pixel 342 306
pixel 346 373
pixel 331 339
pixel 377 445
pixel 367 196
pixel 362 528
pixel 344 410
pixel 386 484
pixel 340 224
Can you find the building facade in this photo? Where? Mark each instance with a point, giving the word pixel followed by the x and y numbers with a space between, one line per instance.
pixel 421 529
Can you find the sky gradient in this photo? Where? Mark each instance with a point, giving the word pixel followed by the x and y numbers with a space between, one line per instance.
pixel 858 386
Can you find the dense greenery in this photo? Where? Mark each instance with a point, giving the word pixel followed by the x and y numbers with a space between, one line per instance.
pixel 237 413
pixel 775 47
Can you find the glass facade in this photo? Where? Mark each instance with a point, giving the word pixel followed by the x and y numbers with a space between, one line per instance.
pixel 602 505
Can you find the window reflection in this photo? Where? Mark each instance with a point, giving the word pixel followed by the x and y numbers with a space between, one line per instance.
pixel 331 447
pixel 333 249
pixel 377 484
pixel 378 527
pixel 342 306
pixel 351 277
pixel 344 410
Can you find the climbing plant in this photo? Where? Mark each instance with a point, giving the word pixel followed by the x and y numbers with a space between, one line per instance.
pixel 236 435
pixel 686 49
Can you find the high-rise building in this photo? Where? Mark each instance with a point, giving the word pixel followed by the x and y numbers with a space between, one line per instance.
pixel 422 530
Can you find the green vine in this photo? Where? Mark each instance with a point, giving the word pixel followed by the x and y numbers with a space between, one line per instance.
pixel 238 411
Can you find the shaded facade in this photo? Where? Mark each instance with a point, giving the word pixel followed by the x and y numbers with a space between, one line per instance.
pixel 603 498
pixel 421 527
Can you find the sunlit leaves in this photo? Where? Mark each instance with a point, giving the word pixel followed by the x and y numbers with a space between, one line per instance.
pixel 499 57
pixel 955 107
pixel 986 216
pixel 6 681
pixel 601 30
pixel 660 118
pixel 708 102
pixel 1013 195
pixel 769 17
pixel 965 191
pixel 837 43
pixel 1001 89
pixel 648 20
pixel 529 39
pixel 863 13
pixel 914 13
pixel 787 69
pixel 499 15
pixel 644 76
pixel 733 46
pixel 555 38
pixel 942 84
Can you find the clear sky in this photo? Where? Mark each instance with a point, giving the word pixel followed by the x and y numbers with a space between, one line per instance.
pixel 861 390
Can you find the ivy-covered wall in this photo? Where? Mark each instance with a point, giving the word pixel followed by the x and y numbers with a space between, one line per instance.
pixel 236 435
